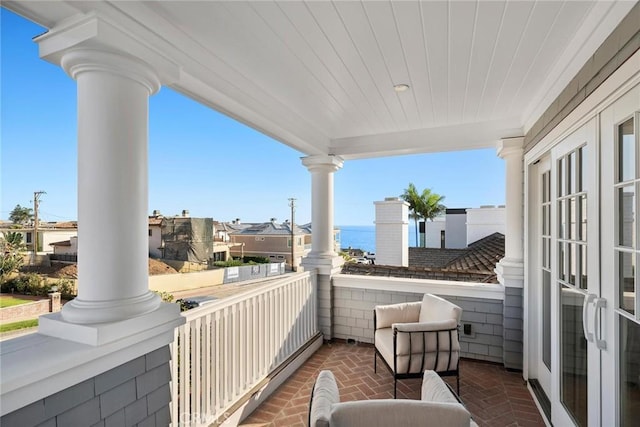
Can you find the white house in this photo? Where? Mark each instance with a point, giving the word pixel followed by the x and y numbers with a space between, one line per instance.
pixel 458 228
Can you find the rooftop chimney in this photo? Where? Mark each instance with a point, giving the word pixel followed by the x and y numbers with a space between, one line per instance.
pixel 185 213
pixel 156 212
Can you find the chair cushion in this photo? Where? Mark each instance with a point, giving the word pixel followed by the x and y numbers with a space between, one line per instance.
pixel 324 394
pixel 400 412
pixel 411 359
pixel 405 312
pixel 435 308
pixel 435 390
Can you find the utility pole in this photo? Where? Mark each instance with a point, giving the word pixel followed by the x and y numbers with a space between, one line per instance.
pixel 36 200
pixel 292 205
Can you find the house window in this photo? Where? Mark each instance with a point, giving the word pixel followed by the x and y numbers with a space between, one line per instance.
pixel 150 232
pixel 28 237
pixel 289 243
pixel 299 241
pixel 259 239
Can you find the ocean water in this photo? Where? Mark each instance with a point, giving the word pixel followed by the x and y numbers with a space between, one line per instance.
pixel 358 237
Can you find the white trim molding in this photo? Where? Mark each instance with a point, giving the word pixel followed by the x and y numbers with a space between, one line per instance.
pixel 420 286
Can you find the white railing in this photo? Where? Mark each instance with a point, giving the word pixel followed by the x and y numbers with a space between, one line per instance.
pixel 227 348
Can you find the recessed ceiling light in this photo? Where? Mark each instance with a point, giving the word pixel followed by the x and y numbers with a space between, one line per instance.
pixel 401 87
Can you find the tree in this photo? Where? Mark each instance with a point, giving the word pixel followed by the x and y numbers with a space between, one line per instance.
pixel 430 206
pixel 424 205
pixel 412 197
pixel 20 215
pixel 11 257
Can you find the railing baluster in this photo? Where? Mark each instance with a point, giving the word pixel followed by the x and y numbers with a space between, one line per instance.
pixel 225 349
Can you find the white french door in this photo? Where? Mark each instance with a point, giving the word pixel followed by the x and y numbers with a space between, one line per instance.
pixel 585 285
pixel 619 321
pixel 540 299
pixel 574 279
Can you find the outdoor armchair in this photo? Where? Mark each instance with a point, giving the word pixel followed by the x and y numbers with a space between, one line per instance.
pixel 414 337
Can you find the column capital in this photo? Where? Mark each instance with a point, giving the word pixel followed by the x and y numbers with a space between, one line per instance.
pixel 115 48
pixel 330 163
pixel 508 147
pixel 78 61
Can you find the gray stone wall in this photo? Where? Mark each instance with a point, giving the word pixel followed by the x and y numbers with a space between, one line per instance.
pixel 325 306
pixel 623 42
pixel 513 326
pixel 353 319
pixel 136 393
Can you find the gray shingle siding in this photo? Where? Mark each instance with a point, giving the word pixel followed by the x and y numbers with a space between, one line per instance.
pixel 134 392
pixel 513 324
pixel 353 319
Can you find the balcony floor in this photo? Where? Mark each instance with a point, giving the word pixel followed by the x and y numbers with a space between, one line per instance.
pixel 494 396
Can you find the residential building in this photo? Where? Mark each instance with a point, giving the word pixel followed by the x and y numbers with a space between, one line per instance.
pixel 48 234
pixel 458 228
pixel 273 241
pixel 66 247
pixel 553 86
pixel 155 235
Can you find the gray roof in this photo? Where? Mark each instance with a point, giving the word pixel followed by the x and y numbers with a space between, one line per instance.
pixel 268 228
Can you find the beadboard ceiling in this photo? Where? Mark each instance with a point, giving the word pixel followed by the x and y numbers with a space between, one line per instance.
pixel 319 75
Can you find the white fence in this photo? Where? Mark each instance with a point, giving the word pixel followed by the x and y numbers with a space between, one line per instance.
pixel 227 348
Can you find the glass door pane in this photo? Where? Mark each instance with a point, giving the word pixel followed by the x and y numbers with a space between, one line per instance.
pixel 629 372
pixel 573 355
pixel 627 253
pixel 571 276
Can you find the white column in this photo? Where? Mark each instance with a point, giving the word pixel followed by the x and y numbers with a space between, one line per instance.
pixel 113 92
pixel 322 169
pixel 323 257
pixel 510 269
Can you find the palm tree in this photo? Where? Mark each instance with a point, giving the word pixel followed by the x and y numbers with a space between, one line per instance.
pixel 412 197
pixel 425 205
pixel 430 206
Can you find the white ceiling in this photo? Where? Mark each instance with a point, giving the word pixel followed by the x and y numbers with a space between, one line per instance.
pixel 319 75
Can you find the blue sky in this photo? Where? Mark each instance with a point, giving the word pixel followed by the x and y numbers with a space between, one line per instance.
pixel 199 159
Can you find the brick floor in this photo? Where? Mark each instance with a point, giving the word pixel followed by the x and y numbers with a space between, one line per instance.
pixel 494 396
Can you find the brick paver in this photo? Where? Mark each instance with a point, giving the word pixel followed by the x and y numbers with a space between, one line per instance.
pixel 493 395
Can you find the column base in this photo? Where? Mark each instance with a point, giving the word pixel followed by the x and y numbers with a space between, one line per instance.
pixel 510 272
pixel 325 263
pixel 88 312
pixel 98 334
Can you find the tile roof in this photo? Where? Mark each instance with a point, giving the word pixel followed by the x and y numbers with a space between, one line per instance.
pixel 155 220
pixel 481 255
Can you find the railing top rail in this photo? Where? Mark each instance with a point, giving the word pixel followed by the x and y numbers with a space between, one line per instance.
pixel 439 287
pixel 233 299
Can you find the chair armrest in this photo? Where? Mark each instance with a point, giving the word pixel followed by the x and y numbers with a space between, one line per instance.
pixel 406 312
pixel 324 394
pixel 442 325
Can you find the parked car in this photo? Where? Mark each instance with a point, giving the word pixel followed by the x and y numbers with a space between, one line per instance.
pixel 362 260
pixel 197 301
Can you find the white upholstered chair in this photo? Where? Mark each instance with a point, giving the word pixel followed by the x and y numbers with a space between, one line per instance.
pixel 418 336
